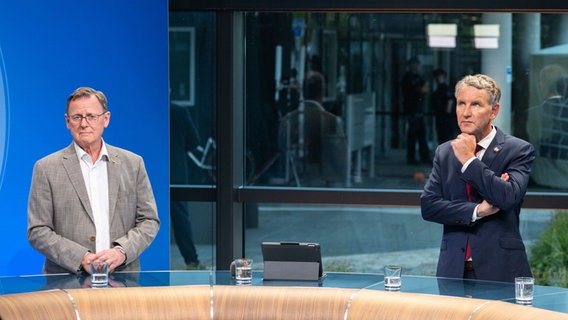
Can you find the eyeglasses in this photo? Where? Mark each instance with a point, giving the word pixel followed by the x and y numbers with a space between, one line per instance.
pixel 91 118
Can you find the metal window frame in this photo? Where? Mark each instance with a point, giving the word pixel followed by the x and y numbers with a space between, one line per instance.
pixel 228 194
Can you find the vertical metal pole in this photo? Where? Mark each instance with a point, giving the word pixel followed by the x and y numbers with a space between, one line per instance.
pixel 224 125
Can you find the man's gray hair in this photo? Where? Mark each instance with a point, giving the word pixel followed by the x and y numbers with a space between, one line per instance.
pixel 481 82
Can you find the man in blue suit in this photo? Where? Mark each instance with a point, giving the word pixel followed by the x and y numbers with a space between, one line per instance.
pixel 481 238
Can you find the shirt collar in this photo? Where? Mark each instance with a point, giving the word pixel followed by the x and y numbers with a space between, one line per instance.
pixel 81 153
pixel 485 142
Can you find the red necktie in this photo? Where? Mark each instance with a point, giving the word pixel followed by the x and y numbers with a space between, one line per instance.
pixel 468 190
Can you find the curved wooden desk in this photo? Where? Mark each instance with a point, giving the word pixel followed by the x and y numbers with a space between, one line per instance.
pixel 254 302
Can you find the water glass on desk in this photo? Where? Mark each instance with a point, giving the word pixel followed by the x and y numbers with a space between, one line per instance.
pixel 99 274
pixel 393 278
pixel 243 270
pixel 524 290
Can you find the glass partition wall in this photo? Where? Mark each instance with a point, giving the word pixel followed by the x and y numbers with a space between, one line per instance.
pixel 193 145
pixel 343 170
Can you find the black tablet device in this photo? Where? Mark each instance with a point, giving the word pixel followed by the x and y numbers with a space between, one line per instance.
pixel 292 261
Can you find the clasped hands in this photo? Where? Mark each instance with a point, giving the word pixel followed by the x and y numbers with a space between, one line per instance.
pixel 112 256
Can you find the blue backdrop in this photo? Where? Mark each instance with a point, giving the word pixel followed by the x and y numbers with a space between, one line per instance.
pixel 49 48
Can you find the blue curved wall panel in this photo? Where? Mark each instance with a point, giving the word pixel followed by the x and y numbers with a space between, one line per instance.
pixel 47 49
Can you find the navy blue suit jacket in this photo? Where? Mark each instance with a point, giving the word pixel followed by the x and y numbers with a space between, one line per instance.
pixel 497 249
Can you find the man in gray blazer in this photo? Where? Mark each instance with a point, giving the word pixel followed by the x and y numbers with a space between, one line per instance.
pixel 90 201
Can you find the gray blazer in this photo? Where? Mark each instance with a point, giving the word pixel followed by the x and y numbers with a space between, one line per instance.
pixel 60 220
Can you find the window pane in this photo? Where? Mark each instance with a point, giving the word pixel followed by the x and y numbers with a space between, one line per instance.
pixel 192 235
pixel 365 239
pixel 192 95
pixel 192 136
pixel 362 131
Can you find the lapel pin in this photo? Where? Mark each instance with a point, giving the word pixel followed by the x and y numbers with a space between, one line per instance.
pixel 496 149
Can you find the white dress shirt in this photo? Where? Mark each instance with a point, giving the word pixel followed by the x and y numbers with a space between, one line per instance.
pixel 484 143
pixel 96 181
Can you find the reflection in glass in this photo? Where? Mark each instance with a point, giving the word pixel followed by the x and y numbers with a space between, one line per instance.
pixel 360 55
pixel 547 124
pixel 312 141
pixel 192 97
pixel 368 53
pixel 192 136
pixel 192 245
pixel 365 239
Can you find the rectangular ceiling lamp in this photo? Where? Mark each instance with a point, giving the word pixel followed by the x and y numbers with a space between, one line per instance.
pixel 442 35
pixel 441 42
pixel 486 36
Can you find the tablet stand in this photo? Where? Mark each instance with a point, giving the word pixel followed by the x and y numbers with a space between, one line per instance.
pixel 291 270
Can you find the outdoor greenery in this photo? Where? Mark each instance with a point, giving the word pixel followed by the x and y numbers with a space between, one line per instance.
pixel 549 255
pixel 339 266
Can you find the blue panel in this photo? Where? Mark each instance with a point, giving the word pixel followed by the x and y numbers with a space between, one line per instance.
pixel 47 49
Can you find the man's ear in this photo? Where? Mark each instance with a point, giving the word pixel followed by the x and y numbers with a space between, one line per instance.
pixel 494 111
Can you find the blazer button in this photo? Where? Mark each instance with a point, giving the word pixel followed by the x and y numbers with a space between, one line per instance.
pixel 93 238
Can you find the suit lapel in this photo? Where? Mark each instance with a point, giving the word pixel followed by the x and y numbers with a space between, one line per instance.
pixel 494 148
pixel 113 180
pixel 489 156
pixel 73 169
